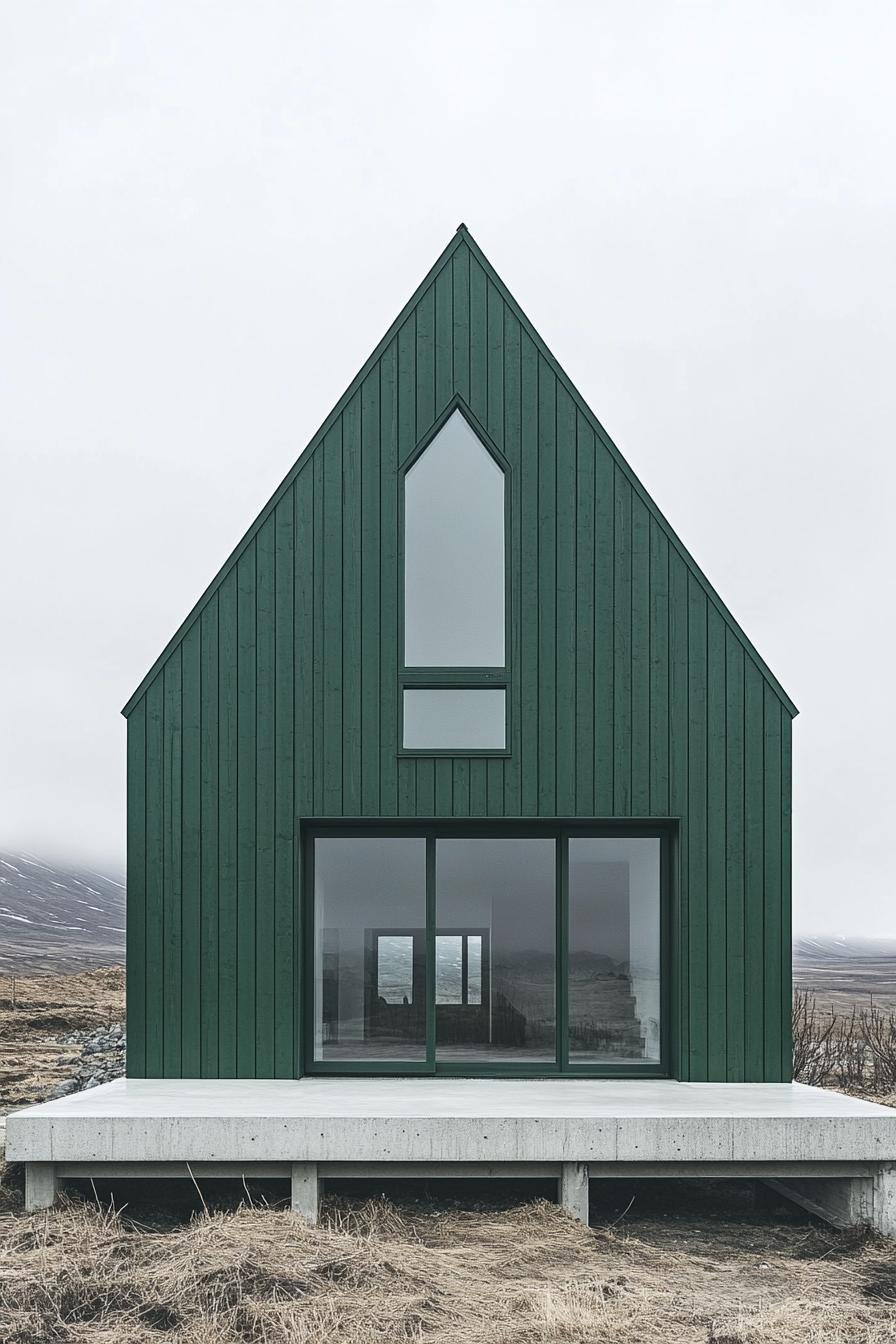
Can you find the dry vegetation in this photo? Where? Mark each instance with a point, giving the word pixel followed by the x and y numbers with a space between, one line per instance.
pixel 682 1262
pixel 853 1051
pixel 380 1272
pixel 35 1012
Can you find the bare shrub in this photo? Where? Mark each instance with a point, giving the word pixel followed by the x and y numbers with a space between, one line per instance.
pixel 814 1041
pixel 879 1032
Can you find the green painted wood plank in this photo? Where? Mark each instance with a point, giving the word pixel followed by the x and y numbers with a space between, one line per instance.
pixel 228 649
pixel 286 970
pixel 334 663
pixel 640 661
pixel 478 342
pixel 716 932
pixel 265 795
pixel 460 790
pixel 584 619
pixel 734 856
pixel 566 629
pixel 390 592
pixel 494 788
pixel 460 281
pixel 425 787
pixel 622 646
pixel 697 812
pixel 444 340
pixel 246 820
pixel 426 362
pixel 658 803
pixel 136 891
pixel 678 807
pixel 305 645
pixel 547 591
pixel 604 618
pixel 350 803
pixel 171 867
pixel 478 787
pixel 209 840
pixel 773 817
pixel 155 811
pixel 444 800
pixel 754 839
pixel 511 446
pixel 318 645
pixel 528 583
pixel 494 421
pixel 191 893
pixel 368 744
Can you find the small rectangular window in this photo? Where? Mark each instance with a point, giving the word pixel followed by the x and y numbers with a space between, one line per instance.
pixel 455 719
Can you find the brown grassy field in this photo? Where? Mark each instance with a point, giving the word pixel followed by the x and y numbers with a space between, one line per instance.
pixel 35 1013
pixel 714 1263
pixel 718 1271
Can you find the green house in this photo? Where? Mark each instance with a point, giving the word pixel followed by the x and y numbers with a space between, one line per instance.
pixel 460 765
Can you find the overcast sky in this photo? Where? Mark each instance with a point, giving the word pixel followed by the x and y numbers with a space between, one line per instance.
pixel 210 213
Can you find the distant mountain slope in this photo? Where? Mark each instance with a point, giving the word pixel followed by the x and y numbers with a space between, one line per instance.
pixel 815 950
pixel 57 918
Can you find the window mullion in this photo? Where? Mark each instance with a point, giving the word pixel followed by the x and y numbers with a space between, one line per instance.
pixel 431 951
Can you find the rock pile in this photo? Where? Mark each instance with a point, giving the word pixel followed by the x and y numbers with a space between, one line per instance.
pixel 99 1059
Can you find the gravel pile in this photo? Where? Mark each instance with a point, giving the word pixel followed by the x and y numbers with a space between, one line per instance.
pixel 98 1058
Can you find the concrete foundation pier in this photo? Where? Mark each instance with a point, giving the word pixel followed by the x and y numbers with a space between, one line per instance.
pixel 40 1185
pixel 574 1189
pixel 305 1190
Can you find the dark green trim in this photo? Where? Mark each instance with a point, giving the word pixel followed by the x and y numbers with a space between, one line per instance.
pixel 431 830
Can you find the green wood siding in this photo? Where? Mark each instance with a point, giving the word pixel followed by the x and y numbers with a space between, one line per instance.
pixel 633 694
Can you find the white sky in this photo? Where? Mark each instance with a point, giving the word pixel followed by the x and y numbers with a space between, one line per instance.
pixel 209 214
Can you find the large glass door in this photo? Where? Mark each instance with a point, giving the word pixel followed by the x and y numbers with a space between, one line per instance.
pixel 502 893
pixel 462 951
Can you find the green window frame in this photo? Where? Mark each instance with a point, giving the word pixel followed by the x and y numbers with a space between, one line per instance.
pixel 561 832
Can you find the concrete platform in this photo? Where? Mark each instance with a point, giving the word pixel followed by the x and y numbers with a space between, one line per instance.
pixel 571 1128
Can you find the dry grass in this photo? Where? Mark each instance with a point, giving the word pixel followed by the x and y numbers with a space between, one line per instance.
pixel 35 1011
pixel 377 1272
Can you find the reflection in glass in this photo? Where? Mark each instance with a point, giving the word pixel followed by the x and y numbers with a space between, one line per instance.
pixel 395 968
pixel 614 949
pixel 454 553
pixel 499 896
pixel 447 719
pixel 370 948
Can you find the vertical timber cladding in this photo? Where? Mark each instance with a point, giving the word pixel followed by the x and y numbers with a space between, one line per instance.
pixel 633 694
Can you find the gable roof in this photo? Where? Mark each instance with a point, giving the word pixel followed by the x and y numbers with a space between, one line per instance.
pixel 462 238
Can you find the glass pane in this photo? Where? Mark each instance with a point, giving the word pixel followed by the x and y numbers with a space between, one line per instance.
pixel 454 719
pixel 500 895
pixel 370 948
pixel 449 968
pixel 474 968
pixel 395 968
pixel 614 949
pixel 454 553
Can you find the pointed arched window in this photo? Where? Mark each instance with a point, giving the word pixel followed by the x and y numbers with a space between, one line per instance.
pixel 455 594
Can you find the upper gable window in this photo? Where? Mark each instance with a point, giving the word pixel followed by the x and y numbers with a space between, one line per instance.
pixel 454 553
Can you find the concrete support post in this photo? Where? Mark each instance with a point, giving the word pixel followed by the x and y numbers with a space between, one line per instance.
pixel 884 1202
pixel 574 1189
pixel 40 1185
pixel 305 1190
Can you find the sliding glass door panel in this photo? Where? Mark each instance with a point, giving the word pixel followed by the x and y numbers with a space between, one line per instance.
pixel 613 984
pixel 370 948
pixel 496 950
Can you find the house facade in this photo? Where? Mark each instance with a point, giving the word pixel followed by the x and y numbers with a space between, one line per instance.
pixel 460 765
